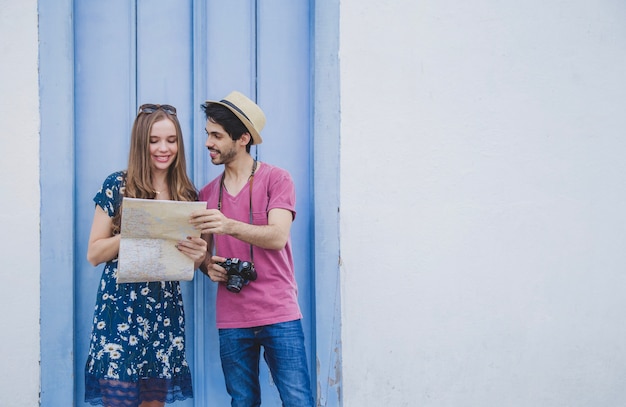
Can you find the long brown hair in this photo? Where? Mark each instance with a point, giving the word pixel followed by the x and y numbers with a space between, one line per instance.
pixel 138 179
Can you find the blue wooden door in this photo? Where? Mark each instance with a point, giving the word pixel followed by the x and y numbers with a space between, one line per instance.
pixel 181 53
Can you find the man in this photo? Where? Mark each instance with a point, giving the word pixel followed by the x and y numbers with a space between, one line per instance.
pixel 250 208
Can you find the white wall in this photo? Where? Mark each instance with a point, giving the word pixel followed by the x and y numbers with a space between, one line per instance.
pixel 483 184
pixel 19 204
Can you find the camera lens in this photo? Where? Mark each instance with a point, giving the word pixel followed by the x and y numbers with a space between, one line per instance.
pixel 234 283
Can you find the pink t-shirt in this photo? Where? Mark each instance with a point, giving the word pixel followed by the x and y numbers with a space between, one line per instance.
pixel 273 296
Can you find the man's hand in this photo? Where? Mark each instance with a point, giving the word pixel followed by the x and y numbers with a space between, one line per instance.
pixel 216 272
pixel 210 221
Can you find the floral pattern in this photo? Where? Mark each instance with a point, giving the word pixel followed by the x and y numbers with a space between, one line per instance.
pixel 138 328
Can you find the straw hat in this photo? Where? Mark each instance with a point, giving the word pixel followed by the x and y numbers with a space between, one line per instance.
pixel 247 111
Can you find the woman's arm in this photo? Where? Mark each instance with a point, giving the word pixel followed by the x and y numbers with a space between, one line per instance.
pixel 103 245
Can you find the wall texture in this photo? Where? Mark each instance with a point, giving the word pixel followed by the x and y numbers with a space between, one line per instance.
pixel 482 190
pixel 19 204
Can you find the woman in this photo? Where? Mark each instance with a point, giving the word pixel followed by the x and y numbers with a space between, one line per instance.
pixel 137 353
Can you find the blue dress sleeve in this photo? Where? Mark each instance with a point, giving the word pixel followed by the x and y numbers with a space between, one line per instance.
pixel 109 197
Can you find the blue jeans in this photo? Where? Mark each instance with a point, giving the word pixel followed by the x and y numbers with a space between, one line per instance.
pixel 284 352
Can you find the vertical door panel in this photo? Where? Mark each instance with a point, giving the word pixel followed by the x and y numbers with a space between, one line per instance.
pixel 56 92
pixel 164 55
pixel 254 47
pixel 164 76
pixel 104 105
pixel 229 65
pixel 231 47
pixel 283 71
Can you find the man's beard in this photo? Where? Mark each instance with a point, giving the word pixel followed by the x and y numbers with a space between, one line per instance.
pixel 224 157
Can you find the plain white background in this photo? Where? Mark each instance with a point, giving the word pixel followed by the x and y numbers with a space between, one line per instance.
pixel 19 197
pixel 482 203
pixel 19 204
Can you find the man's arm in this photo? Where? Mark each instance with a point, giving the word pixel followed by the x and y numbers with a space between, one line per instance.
pixel 273 236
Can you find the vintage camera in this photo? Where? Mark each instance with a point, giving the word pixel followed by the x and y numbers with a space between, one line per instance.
pixel 239 273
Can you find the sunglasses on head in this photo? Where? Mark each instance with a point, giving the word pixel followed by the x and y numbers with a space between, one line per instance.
pixel 151 108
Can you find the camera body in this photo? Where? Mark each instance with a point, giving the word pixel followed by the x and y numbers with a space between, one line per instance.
pixel 239 273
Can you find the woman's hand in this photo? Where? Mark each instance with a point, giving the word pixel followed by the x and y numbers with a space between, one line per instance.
pixel 195 248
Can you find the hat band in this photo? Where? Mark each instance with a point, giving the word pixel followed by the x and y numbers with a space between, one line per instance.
pixel 236 108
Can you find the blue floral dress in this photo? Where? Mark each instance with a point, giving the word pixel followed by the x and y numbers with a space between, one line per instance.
pixel 137 346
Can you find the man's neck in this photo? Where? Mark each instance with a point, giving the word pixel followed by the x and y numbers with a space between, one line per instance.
pixel 239 168
pixel 237 173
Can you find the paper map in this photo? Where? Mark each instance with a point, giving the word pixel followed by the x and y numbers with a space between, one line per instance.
pixel 149 233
